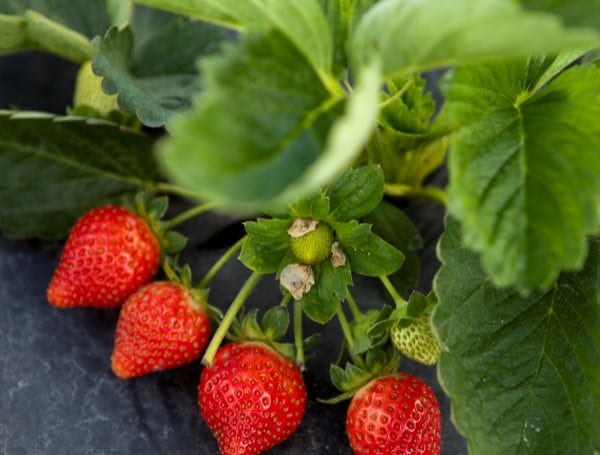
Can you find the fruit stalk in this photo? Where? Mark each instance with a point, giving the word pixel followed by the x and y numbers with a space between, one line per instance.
pixel 400 303
pixel 188 214
pixel 229 317
pixel 218 265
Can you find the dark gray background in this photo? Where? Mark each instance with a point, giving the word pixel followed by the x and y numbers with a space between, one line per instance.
pixel 57 392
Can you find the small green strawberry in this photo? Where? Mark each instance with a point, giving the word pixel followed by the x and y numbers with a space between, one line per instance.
pixel 392 415
pixel 110 252
pixel 162 325
pixel 417 340
pixel 251 397
pixel 313 245
pixel 88 91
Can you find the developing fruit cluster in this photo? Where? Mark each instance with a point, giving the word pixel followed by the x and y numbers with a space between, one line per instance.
pixel 251 392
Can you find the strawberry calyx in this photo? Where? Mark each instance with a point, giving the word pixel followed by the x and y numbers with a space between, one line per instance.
pixel 378 362
pixel 183 276
pixel 152 210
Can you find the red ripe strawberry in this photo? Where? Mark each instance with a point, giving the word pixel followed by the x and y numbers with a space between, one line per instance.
pixel 110 252
pixel 395 414
pixel 161 325
pixel 251 397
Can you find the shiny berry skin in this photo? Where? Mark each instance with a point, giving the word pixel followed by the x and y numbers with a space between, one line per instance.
pixel 396 414
pixel 110 252
pixel 314 246
pixel 160 326
pixel 251 398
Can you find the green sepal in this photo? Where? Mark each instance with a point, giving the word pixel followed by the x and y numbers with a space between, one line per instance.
pixel 355 193
pixel 275 323
pixel 360 331
pixel 158 206
pixel 382 361
pixel 351 234
pixel 251 329
pixel 318 309
pixel 266 244
pixel 395 227
pixel 349 378
pixel 378 332
pixel 367 253
pixel 272 327
pixel 152 208
pixel 331 284
pixel 315 206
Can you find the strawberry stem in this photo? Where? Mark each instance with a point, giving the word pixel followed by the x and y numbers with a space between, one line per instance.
pixel 298 340
pixel 220 263
pixel 356 313
pixel 188 214
pixel 426 192
pixel 285 300
pixel 229 317
pixel 357 360
pixel 168 188
pixel 398 300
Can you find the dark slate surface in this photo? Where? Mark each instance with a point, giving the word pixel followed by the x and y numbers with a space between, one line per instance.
pixel 57 393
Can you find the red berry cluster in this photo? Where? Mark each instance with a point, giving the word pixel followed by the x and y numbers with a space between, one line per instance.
pixel 250 396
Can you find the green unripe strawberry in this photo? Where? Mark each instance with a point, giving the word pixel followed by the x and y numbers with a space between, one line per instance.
pixel 88 91
pixel 417 340
pixel 313 246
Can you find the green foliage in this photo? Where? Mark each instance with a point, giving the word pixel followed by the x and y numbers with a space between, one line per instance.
pixel 277 138
pixel 266 244
pixel 392 225
pixel 437 34
pixel 268 247
pixel 302 22
pixel 61 27
pixel 573 12
pixel 524 166
pixel 59 167
pixel 522 372
pixel 152 64
pixel 355 193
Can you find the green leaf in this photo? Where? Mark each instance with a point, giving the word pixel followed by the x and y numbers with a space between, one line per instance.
pixel 62 166
pixel 152 64
pixel 355 193
pixel 321 303
pixel 119 11
pixel 88 18
pixel 302 22
pixel 342 16
pixel 573 12
pixel 524 167
pixel 266 244
pixel 265 131
pixel 392 225
pixel 436 34
pixel 522 372
pixel 407 106
pixel 59 27
pixel 368 253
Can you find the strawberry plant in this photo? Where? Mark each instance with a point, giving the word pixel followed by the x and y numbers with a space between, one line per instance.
pixel 318 125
